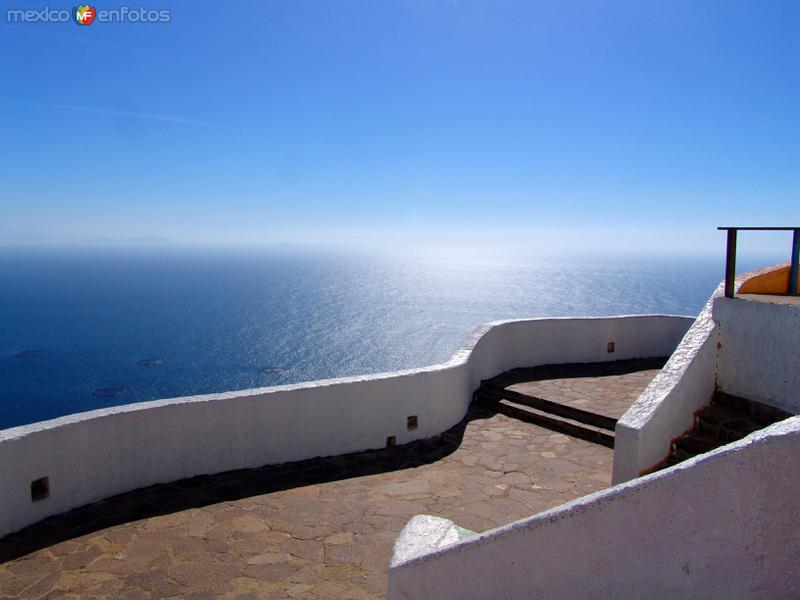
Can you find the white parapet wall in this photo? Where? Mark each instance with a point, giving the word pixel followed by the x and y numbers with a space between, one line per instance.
pixel 742 347
pixel 90 456
pixel 666 407
pixel 723 525
pixel 759 354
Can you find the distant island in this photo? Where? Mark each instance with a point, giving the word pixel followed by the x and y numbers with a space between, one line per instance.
pixel 149 362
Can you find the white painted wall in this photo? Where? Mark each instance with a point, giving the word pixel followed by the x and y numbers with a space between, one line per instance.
pixel 94 455
pixel 759 355
pixel 723 525
pixel 666 408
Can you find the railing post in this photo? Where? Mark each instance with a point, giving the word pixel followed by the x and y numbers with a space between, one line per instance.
pixel 795 260
pixel 730 263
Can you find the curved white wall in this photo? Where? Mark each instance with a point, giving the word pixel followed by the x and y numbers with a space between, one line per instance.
pixel 722 525
pixel 94 455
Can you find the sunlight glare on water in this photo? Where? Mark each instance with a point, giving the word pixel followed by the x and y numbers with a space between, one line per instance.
pixel 84 330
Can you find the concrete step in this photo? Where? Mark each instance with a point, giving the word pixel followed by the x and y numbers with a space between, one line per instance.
pixel 725 424
pixel 728 418
pixel 550 407
pixel 762 414
pixel 693 443
pixel 548 420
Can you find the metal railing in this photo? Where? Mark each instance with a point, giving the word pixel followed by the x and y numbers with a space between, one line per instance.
pixel 730 256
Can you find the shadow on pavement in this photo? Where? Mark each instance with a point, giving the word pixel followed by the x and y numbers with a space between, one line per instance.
pixel 204 490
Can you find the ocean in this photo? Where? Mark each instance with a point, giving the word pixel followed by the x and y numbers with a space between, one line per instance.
pixel 82 329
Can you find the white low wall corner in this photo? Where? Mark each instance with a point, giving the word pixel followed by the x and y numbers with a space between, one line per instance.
pixel 666 408
pixel 424 534
pixel 721 525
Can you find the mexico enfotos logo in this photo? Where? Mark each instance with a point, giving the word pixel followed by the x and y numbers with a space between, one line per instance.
pixel 85 14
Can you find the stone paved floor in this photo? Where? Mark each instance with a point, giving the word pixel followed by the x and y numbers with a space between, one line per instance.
pixel 604 388
pixel 321 528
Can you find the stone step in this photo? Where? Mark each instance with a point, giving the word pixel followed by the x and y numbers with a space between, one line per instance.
pixel 550 407
pixel 544 419
pixel 728 418
pixel 756 411
pixel 693 443
pixel 725 424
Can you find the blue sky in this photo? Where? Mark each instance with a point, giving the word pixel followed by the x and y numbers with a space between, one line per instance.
pixel 634 123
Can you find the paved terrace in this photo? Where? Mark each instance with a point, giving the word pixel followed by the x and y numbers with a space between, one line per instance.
pixel 321 528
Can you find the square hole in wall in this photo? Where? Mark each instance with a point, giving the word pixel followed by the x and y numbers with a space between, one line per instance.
pixel 40 489
pixel 611 347
pixel 411 422
pixel 391 441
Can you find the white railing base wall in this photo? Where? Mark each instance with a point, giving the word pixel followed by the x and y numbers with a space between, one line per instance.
pixel 759 353
pixel 722 525
pixel 742 347
pixel 90 456
pixel 666 408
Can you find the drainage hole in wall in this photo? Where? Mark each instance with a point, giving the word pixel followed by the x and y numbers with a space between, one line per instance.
pixel 391 441
pixel 411 422
pixel 611 347
pixel 40 489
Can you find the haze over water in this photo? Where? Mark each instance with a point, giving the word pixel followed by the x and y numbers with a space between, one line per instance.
pixel 391 125
pixel 83 329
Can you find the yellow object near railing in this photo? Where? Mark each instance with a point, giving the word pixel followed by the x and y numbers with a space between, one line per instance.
pixel 772 280
pixel 730 258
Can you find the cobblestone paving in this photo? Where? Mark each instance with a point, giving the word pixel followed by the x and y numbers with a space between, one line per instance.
pixel 321 529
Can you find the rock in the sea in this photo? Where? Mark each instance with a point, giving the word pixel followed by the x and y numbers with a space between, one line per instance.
pixel 149 362
pixel 274 370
